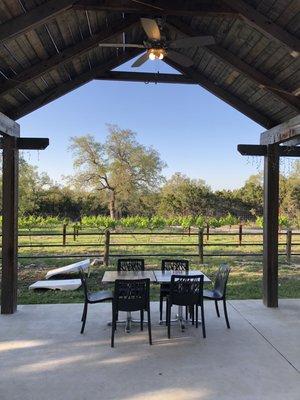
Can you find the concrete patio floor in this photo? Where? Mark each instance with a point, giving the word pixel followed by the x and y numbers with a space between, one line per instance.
pixel 43 356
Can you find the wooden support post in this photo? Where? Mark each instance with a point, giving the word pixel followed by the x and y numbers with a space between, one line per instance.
pixel 74 232
pixel 64 234
pixel 240 234
pixel 200 245
pixel 271 209
pixel 106 248
pixel 9 226
pixel 288 245
pixel 207 232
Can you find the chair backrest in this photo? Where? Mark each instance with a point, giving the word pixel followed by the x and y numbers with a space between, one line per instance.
pixel 83 279
pixel 186 290
pixel 131 294
pixel 174 265
pixel 131 264
pixel 221 279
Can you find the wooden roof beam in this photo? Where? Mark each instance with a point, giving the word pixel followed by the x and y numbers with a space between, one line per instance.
pixel 66 55
pixel 241 66
pixel 68 86
pixel 262 150
pixel 144 77
pixel 8 127
pixel 28 143
pixel 265 25
pixel 222 94
pixel 162 8
pixel 288 132
pixel 33 18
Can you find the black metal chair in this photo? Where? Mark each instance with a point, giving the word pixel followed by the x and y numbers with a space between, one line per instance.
pixel 186 291
pixel 131 295
pixel 91 297
pixel 219 291
pixel 131 264
pixel 169 265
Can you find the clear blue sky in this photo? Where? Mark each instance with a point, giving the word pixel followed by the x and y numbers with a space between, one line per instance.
pixel 194 132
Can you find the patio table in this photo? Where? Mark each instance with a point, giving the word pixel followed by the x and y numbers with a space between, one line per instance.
pixel 111 276
pixel 165 277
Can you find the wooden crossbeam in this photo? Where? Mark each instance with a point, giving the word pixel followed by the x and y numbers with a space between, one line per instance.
pixel 265 25
pixel 74 84
pixel 33 18
pixel 284 132
pixel 28 143
pixel 161 8
pixel 241 66
pixel 222 94
pixel 144 77
pixel 262 150
pixel 8 126
pixel 68 54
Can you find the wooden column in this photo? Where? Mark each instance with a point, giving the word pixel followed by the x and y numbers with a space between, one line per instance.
pixel 9 226
pixel 271 210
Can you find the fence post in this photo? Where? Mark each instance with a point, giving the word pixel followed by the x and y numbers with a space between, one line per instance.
pixel 288 245
pixel 74 233
pixel 207 232
pixel 64 234
pixel 240 234
pixel 200 245
pixel 106 248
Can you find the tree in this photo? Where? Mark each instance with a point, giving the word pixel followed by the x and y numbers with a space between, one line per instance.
pixel 119 167
pixel 184 196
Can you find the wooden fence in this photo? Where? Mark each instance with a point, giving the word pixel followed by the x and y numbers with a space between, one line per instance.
pixel 203 240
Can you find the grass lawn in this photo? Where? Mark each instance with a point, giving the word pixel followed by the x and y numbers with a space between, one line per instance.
pixel 245 280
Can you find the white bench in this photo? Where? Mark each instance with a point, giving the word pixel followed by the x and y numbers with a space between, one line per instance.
pixel 63 284
pixel 69 269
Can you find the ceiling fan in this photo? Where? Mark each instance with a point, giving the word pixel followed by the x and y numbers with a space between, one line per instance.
pixel 157 47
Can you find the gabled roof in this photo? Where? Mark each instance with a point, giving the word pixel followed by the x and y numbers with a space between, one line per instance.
pixel 50 47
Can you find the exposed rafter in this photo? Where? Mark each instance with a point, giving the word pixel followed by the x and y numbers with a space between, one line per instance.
pixel 224 95
pixel 161 8
pixel 265 25
pixel 32 18
pixel 74 84
pixel 65 56
pixel 8 127
pixel 241 66
pixel 144 77
pixel 288 131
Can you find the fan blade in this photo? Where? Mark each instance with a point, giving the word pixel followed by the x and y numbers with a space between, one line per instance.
pixel 141 60
pixel 193 41
pixel 120 45
pixel 179 58
pixel 151 28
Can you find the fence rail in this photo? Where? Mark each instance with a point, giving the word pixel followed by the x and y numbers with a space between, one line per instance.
pixel 106 248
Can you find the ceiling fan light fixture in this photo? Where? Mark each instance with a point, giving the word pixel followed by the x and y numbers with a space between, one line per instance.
pixel 156 54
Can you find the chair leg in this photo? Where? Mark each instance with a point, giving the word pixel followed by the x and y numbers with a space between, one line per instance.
pixel 84 317
pixel 113 326
pixel 197 323
pixel 203 320
pixel 217 308
pixel 225 313
pixel 142 319
pixel 161 302
pixel 83 311
pixel 169 319
pixel 149 326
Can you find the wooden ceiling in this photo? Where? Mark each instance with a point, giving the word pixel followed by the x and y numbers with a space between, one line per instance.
pixel 50 47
